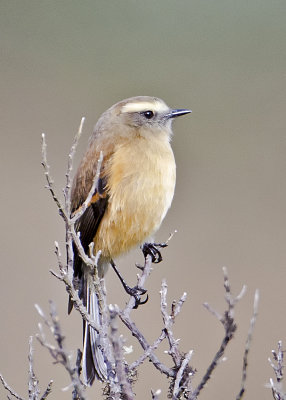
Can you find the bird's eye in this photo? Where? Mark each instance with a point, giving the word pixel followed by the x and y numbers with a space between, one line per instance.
pixel 148 114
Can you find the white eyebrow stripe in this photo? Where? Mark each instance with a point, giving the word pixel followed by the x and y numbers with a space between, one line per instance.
pixel 145 106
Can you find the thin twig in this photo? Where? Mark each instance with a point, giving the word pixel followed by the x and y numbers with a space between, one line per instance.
pixel 124 315
pixel 147 352
pixel 33 383
pixel 67 189
pixel 168 321
pixel 247 345
pixel 48 390
pixel 178 381
pixel 94 186
pixel 229 327
pixel 78 304
pixel 180 386
pixel 9 389
pixel 145 345
pixel 277 364
pixel 120 365
pixel 50 182
pixel 58 351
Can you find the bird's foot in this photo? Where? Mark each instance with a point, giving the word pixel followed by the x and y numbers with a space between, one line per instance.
pixel 136 292
pixel 152 250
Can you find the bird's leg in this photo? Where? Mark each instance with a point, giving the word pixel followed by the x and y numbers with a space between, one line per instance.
pixel 135 291
pixel 152 250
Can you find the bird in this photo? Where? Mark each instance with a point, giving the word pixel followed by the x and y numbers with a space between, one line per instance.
pixel 133 194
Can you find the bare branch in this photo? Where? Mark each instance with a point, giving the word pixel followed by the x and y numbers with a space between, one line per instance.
pixel 145 345
pixel 33 384
pixel 78 304
pixel 50 182
pixel 58 352
pixel 179 377
pixel 122 384
pixel 9 389
pixel 277 364
pixel 124 315
pixel 147 352
pixel 229 327
pixel 247 345
pixel 48 390
pixel 67 191
pixel 168 321
pixel 85 204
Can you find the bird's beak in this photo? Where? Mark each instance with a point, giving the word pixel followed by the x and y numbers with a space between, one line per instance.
pixel 178 113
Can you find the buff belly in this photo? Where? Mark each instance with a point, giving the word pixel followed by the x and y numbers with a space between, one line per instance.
pixel 141 189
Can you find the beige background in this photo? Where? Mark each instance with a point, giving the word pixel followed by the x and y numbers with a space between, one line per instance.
pixel 224 59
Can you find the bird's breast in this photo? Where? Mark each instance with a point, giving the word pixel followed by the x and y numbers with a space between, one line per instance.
pixel 141 183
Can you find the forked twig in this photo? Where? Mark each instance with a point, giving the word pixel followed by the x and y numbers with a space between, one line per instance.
pixel 58 350
pixel 278 366
pixel 33 383
pixel 227 320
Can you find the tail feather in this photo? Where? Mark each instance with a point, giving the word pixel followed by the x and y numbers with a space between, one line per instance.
pixel 93 365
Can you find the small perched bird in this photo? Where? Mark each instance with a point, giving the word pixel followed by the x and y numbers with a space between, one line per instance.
pixel 134 192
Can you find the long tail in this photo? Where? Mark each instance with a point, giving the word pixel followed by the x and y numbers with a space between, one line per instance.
pixel 93 365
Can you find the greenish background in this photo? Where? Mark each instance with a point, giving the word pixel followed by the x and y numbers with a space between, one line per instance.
pixel 224 59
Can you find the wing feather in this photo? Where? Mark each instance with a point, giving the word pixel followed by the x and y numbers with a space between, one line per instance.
pixel 89 222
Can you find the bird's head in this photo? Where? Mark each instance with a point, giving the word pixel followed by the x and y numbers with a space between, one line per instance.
pixel 140 116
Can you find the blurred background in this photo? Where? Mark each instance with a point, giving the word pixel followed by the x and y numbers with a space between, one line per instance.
pixel 226 60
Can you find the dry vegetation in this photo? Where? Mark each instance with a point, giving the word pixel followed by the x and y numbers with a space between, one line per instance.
pixel 121 380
